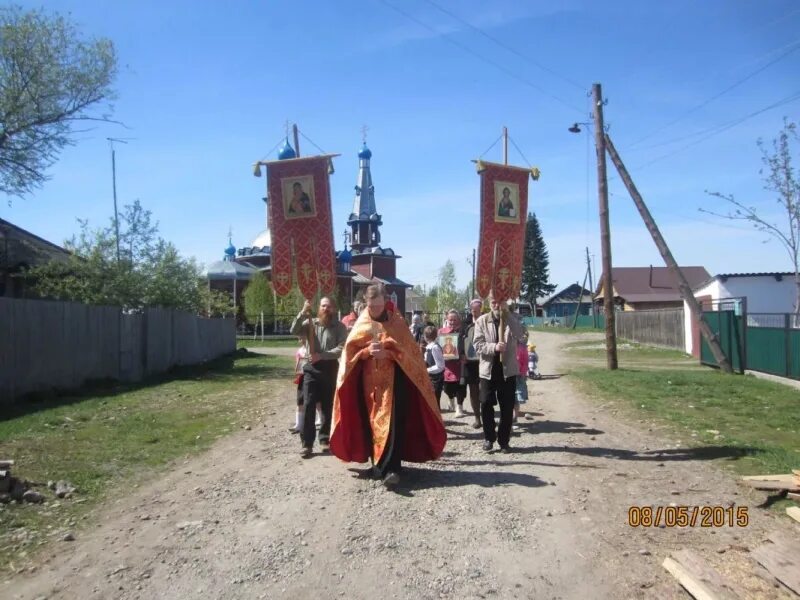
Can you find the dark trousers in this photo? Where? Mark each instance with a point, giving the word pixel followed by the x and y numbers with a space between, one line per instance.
pixel 393 453
pixel 504 389
pixel 319 385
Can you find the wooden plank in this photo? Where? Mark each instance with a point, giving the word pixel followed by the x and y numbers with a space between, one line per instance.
pixel 698 577
pixel 774 485
pixel 794 512
pixel 5 464
pixel 3 474
pixel 788 478
pixel 792 496
pixel 781 557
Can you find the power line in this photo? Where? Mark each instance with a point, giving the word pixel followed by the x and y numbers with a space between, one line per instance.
pixel 793 47
pixel 506 46
pixel 479 56
pixel 725 127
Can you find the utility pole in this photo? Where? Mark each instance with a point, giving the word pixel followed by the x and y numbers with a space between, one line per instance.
pixel 661 244
pixel 473 273
pixel 591 288
pixel 114 184
pixel 505 145
pixel 605 230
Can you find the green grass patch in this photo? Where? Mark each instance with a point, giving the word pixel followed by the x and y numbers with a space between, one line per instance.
pixel 753 423
pixel 106 436
pixel 564 330
pixel 276 342
pixel 633 354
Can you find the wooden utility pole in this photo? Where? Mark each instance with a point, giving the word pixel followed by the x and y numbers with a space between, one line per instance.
pixel 505 145
pixel 661 244
pixel 591 288
pixel 605 230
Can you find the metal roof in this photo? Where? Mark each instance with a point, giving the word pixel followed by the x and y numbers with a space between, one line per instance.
pixel 228 269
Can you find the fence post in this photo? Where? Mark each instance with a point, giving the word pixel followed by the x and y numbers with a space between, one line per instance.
pixel 787 341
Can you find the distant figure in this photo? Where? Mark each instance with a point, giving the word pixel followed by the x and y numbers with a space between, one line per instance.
pixel 350 319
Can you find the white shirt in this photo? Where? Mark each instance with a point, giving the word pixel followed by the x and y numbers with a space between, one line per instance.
pixel 438 358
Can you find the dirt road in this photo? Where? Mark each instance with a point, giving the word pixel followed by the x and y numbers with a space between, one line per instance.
pixel 250 519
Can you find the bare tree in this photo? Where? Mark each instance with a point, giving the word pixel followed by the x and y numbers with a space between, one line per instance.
pixel 779 177
pixel 50 79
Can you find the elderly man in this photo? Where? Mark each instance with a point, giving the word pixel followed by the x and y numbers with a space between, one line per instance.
pixel 498 370
pixel 325 337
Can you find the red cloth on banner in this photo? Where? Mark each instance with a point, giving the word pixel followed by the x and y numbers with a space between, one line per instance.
pixel 301 224
pixel 504 211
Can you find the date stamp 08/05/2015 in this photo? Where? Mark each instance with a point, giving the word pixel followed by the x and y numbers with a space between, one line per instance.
pixel 688 516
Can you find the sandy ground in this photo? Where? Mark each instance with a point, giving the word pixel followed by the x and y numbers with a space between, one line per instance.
pixel 251 519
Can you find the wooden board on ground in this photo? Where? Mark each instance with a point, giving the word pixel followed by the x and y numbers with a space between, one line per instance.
pixel 762 484
pixel 792 496
pixel 788 478
pixel 794 512
pixel 698 577
pixel 781 557
pixel 5 464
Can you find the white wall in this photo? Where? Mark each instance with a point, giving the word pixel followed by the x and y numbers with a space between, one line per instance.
pixel 764 295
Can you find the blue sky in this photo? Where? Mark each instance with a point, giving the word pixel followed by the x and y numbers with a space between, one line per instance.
pixel 206 87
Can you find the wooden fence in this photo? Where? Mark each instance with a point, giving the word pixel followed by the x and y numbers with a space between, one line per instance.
pixel 654 327
pixel 61 345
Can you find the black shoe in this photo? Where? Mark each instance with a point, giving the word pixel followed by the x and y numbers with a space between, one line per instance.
pixel 305 452
pixel 391 479
pixel 487 445
pixel 505 449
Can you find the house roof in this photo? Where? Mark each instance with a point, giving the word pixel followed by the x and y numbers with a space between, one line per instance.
pixel 569 294
pixel 359 278
pixel 20 248
pixel 777 275
pixel 652 284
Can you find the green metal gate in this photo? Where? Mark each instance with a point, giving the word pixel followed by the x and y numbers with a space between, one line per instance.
pixel 730 329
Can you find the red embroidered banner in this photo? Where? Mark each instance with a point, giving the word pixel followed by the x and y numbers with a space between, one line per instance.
pixel 504 211
pixel 301 225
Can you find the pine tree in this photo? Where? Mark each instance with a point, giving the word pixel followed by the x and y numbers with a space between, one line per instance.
pixel 535 264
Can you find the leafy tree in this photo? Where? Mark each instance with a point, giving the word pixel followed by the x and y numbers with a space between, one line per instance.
pixel 446 293
pixel 149 272
pixel 258 299
pixel 535 264
pixel 218 303
pixel 50 80
pixel 779 177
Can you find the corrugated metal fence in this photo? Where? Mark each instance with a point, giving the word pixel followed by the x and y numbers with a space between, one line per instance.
pixel 60 345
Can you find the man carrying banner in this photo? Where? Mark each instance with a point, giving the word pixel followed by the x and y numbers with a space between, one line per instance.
pixel 498 369
pixel 384 408
pixel 323 348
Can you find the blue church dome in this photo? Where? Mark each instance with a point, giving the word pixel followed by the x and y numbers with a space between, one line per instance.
pixel 230 250
pixel 365 152
pixel 345 255
pixel 286 151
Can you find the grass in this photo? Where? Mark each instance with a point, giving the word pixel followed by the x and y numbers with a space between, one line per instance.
pixel 277 342
pixel 757 420
pixel 108 436
pixel 632 354
pixel 564 330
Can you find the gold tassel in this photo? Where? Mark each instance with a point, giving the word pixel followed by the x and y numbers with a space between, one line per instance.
pixel 535 173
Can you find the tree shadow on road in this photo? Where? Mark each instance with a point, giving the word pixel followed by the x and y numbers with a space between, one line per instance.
pixel 663 455
pixel 557 427
pixel 414 479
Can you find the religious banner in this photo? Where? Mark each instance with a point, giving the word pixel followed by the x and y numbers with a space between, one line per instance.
pixel 504 212
pixel 301 225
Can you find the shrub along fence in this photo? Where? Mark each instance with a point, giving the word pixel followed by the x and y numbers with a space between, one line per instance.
pixel 61 345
